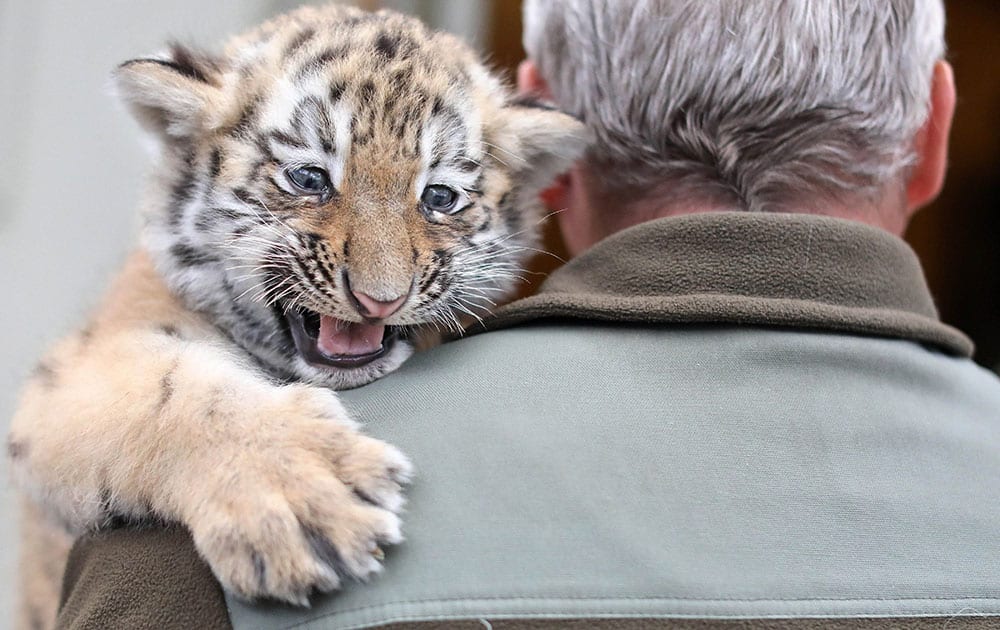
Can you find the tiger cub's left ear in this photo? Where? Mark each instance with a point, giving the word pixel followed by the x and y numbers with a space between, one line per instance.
pixel 171 94
pixel 546 140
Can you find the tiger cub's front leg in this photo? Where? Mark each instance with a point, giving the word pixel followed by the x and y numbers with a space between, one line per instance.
pixel 281 492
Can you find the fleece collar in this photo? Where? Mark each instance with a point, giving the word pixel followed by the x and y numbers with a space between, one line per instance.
pixel 789 270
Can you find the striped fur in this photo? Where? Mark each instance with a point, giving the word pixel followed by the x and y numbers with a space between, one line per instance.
pixel 185 398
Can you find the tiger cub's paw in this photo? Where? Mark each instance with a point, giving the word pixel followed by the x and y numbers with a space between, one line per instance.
pixel 311 507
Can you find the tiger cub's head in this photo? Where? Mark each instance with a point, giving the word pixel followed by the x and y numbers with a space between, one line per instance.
pixel 335 180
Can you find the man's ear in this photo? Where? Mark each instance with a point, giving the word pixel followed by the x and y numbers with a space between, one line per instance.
pixel 931 143
pixel 539 142
pixel 171 94
pixel 530 81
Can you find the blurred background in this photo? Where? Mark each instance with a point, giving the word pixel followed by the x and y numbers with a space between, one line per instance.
pixel 71 165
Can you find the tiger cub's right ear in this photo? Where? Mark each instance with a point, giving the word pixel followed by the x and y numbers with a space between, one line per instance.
pixel 172 94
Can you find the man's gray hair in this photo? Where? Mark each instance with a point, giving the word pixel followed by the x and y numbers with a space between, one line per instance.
pixel 763 104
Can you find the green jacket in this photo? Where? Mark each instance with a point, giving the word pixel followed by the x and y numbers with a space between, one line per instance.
pixel 708 418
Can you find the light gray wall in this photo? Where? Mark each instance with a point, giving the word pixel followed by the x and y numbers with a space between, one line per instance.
pixel 71 166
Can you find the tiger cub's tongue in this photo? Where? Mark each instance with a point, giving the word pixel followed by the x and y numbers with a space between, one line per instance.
pixel 338 337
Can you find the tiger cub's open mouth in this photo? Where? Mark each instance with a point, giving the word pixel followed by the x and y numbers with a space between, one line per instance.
pixel 331 342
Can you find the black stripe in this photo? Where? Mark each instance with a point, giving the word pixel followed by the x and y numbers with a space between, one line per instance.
pixel 386 45
pixel 184 70
pixel 337 91
pixel 194 65
pixel 319 61
pixel 169 330
pixel 402 78
pixel 188 256
pixel 314 108
pixel 324 550
pixel 247 117
pixel 244 195
pixel 465 165
pixel 288 139
pixel 183 189
pixel 215 163
pixel 166 389
pixel 366 92
pixel 299 41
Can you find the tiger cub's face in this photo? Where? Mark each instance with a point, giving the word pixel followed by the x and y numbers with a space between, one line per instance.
pixel 336 180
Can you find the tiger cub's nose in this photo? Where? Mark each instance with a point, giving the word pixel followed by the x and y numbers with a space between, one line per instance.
pixel 376 309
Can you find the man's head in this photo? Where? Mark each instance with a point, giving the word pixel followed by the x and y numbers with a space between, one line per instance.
pixel 838 107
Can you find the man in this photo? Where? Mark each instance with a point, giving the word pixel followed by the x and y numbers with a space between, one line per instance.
pixel 734 407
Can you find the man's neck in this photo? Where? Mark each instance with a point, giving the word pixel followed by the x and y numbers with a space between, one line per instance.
pixel 593 215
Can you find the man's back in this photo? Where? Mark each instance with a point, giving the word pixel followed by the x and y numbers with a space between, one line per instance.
pixel 589 469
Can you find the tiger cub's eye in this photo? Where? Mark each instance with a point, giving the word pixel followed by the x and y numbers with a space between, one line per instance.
pixel 310 180
pixel 439 198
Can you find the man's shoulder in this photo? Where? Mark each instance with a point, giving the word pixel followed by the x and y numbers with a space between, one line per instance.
pixel 549 359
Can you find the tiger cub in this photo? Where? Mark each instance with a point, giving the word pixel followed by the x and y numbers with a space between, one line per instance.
pixel 329 188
